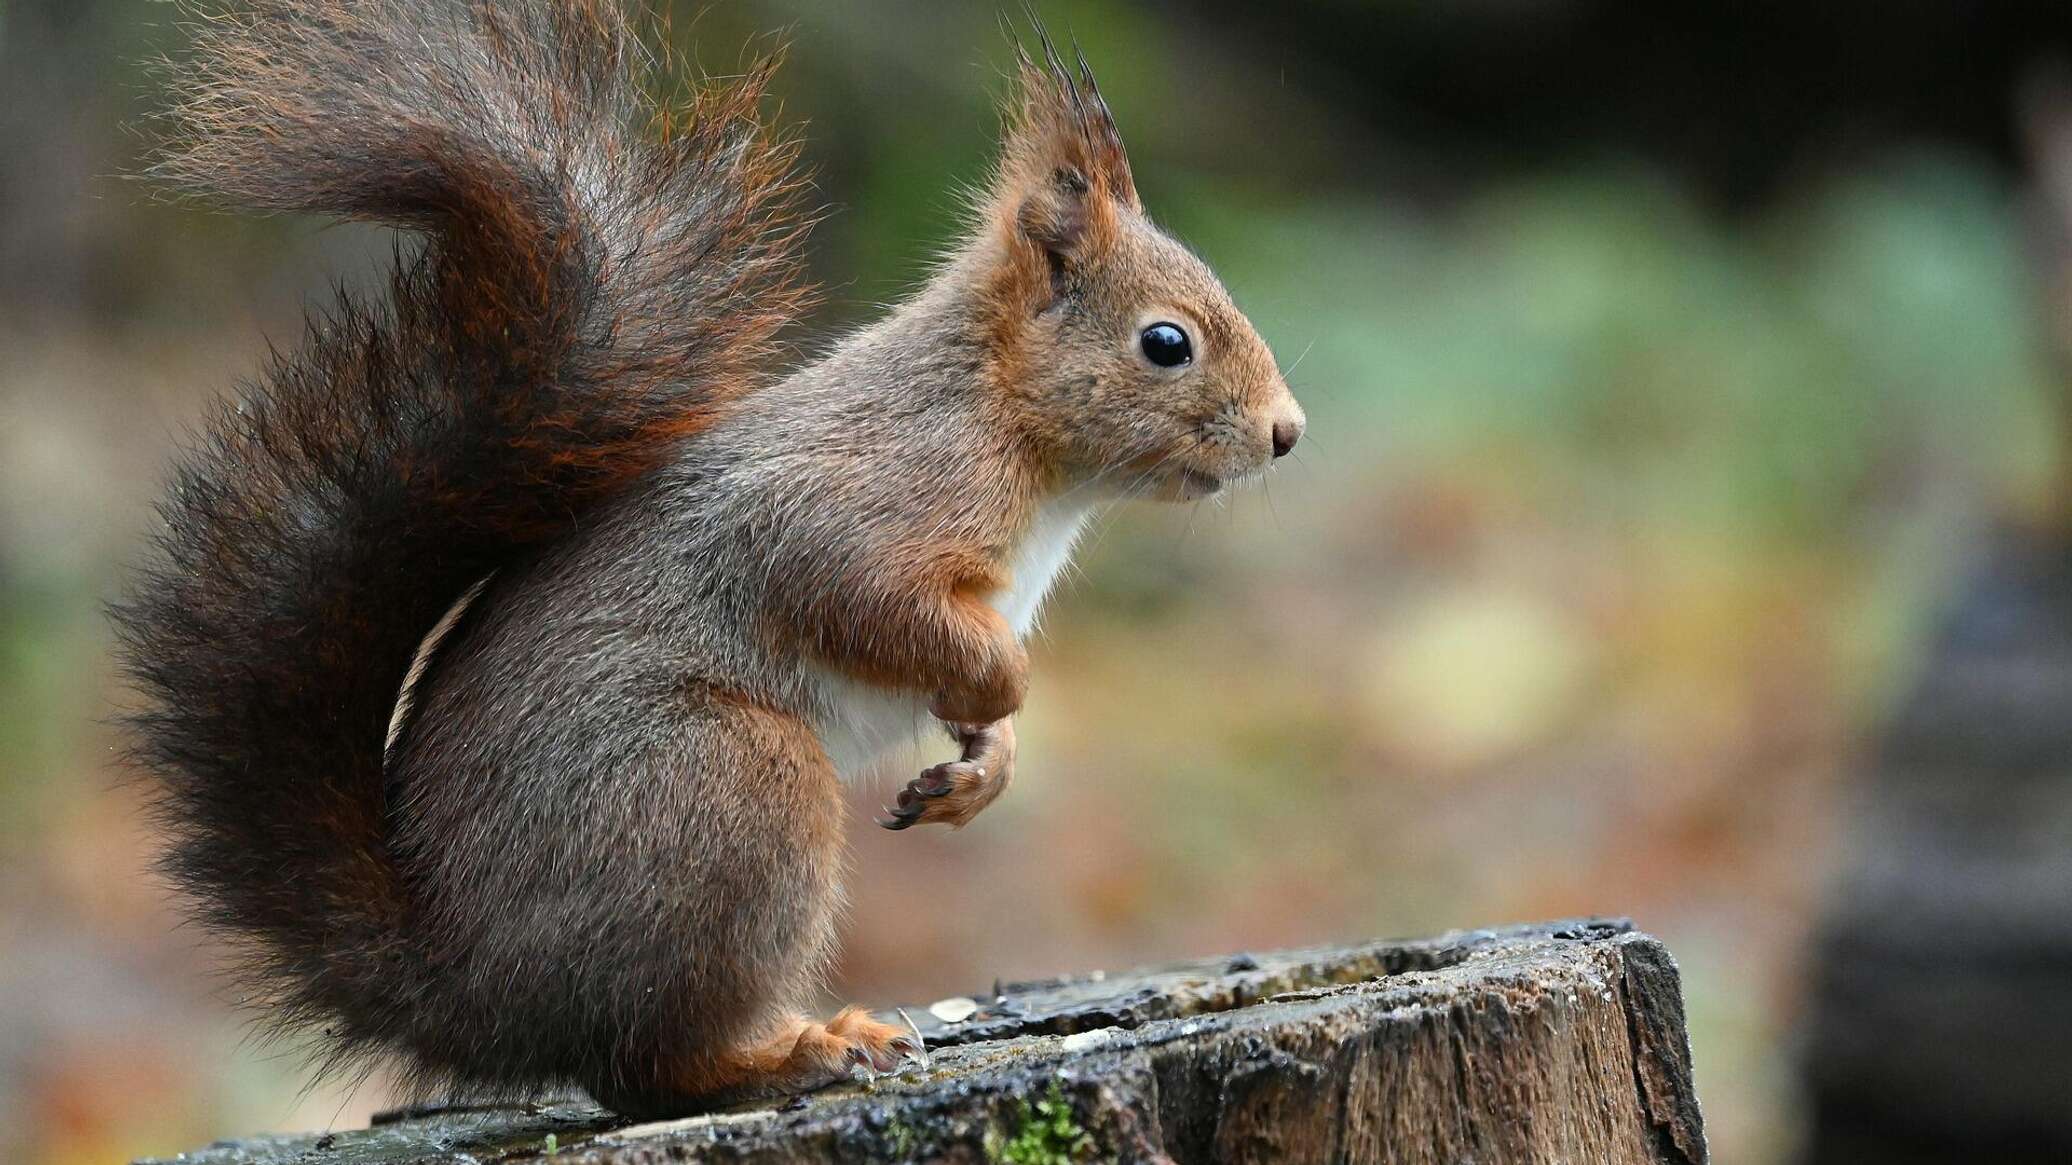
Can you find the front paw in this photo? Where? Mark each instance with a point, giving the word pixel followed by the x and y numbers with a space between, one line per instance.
pixel 954 792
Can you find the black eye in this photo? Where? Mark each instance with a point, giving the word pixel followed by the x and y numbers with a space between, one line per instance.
pixel 1166 345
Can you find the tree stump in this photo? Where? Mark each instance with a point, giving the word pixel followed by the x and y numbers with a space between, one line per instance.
pixel 1561 1042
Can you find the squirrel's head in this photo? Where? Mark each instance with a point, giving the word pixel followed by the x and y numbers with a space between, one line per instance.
pixel 1120 352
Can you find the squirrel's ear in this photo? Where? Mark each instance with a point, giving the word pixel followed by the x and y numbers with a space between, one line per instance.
pixel 1063 174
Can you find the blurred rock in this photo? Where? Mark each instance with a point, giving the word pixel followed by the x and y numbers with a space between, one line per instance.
pixel 1942 1013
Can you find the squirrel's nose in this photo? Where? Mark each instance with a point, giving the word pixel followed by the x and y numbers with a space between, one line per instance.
pixel 1285 434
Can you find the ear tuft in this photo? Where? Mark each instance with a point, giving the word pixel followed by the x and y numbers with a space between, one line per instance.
pixel 1063 174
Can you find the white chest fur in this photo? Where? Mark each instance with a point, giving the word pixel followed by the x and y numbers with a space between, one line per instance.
pixel 861 722
pixel 1042 555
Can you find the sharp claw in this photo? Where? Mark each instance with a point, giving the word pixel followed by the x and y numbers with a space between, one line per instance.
pixel 858 1058
pixel 920 1046
pixel 908 811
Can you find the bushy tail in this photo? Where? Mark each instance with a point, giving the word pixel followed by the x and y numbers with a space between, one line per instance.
pixel 600 275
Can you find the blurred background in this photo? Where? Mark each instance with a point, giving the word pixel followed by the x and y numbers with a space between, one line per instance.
pixel 1680 534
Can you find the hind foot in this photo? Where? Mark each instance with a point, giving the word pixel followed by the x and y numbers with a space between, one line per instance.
pixel 798 1055
pixel 804 1055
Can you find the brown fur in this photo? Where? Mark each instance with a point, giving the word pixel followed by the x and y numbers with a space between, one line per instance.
pixel 604 845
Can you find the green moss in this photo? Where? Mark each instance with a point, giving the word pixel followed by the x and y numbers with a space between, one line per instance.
pixel 1045 1133
pixel 902 1137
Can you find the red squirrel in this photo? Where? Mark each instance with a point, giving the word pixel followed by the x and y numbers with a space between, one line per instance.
pixel 504 645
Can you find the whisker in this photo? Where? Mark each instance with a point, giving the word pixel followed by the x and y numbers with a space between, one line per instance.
pixel 1299 359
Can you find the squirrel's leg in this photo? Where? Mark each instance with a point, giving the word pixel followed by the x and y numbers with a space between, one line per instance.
pixel 952 793
pixel 725 918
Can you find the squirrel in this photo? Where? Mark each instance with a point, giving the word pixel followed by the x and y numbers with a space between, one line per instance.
pixel 503 647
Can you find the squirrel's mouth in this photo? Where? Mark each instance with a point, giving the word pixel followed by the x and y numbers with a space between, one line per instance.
pixel 1178 483
pixel 1189 485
